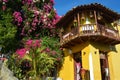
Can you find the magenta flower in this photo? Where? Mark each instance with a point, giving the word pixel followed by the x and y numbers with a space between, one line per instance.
pixel 30 31
pixel 53 52
pixel 21 52
pixel 47 49
pixel 22 34
pixel 37 35
pixel 33 24
pixel 52 1
pixel 29 42
pixel 3 7
pixel 36 20
pixel 36 43
pixel 58 59
pixel 28 2
pixel 5 0
pixel 17 17
pixel 36 13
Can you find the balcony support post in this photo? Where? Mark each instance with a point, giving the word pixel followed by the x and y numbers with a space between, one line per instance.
pixel 78 18
pixel 95 17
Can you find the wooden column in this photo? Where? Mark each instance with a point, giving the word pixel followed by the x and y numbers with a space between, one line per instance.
pixel 116 25
pixel 95 17
pixel 75 21
pixel 78 18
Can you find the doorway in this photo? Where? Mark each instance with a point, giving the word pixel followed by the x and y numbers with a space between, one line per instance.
pixel 77 65
pixel 104 65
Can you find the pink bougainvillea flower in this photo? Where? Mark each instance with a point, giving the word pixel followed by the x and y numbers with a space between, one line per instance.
pixel 37 35
pixel 61 48
pixel 21 52
pixel 17 17
pixel 52 1
pixel 36 43
pixel 33 24
pixel 47 49
pixel 22 34
pixel 36 13
pixel 3 7
pixel 29 43
pixel 30 30
pixel 36 20
pixel 53 52
pixel 28 2
pixel 5 0
pixel 58 59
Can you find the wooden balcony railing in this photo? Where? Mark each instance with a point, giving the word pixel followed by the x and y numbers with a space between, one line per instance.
pixel 109 32
pixel 87 29
pixel 90 30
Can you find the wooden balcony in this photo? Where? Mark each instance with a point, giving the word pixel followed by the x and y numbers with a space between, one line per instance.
pixel 90 32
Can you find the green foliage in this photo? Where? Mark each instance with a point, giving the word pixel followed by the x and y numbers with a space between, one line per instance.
pixel 54 45
pixel 51 42
pixel 44 64
pixel 7 31
pixel 15 66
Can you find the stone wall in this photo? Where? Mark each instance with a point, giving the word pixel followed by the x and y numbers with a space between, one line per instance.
pixel 5 73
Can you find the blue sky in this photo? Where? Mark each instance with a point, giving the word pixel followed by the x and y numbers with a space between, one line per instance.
pixel 63 6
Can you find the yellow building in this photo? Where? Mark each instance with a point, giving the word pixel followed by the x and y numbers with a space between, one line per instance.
pixel 90 37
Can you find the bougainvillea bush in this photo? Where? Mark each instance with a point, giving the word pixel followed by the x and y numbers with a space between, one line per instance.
pixel 26 18
pixel 27 29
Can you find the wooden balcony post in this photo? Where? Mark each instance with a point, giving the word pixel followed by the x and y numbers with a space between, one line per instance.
pixel 78 18
pixel 75 22
pixel 96 27
pixel 116 25
pixel 95 17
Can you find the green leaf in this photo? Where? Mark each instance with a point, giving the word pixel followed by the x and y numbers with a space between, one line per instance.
pixel 27 57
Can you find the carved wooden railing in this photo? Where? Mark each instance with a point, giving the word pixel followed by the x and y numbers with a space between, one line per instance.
pixel 90 29
pixel 109 32
pixel 70 35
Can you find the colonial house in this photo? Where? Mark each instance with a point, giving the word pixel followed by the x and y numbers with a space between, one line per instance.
pixel 90 37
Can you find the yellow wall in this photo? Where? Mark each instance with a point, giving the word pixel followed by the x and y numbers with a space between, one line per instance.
pixel 110 63
pixel 67 71
pixel 113 59
pixel 114 63
pixel 90 49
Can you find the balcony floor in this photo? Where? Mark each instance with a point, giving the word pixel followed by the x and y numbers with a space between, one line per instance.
pixel 78 39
